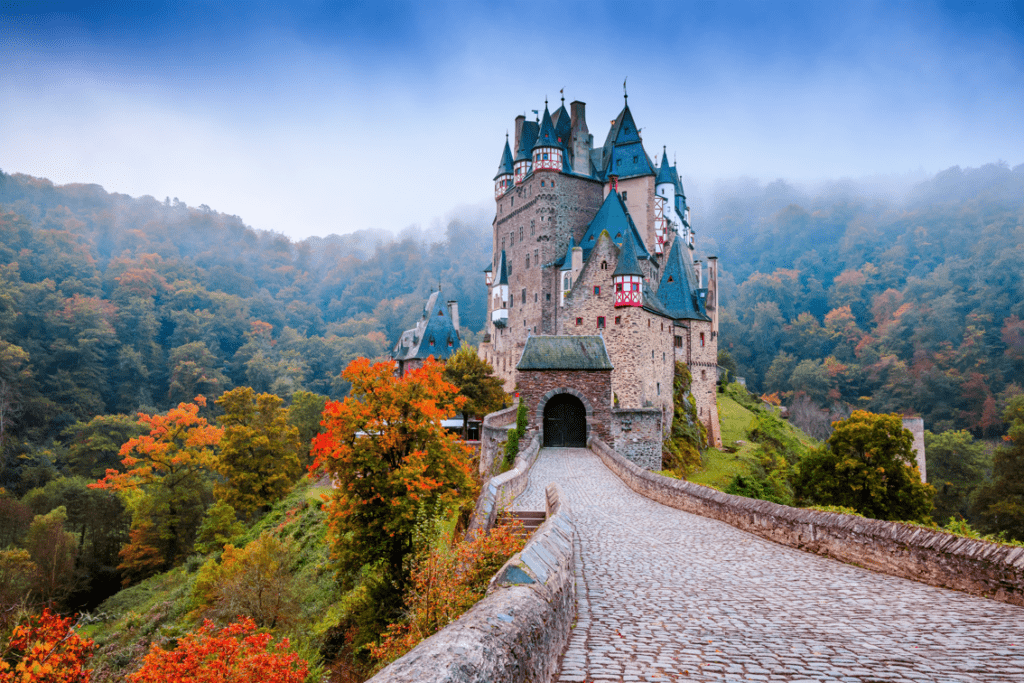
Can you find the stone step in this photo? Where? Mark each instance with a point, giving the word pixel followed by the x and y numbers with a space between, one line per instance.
pixel 530 519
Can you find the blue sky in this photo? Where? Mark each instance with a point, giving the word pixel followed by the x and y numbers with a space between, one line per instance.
pixel 311 118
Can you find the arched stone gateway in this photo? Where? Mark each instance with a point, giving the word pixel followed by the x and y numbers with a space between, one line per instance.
pixel 565 422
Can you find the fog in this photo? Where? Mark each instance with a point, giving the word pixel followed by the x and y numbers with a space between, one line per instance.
pixel 313 120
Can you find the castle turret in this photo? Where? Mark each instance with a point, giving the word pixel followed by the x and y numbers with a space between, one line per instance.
pixel 523 162
pixel 547 150
pixel 628 278
pixel 499 294
pixel 488 275
pixel 503 181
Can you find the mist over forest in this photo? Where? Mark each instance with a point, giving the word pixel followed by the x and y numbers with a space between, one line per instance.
pixel 895 296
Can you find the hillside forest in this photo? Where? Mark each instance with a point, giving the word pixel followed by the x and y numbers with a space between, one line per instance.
pixel 137 327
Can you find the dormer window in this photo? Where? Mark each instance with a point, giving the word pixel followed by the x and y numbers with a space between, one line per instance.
pixel 431 342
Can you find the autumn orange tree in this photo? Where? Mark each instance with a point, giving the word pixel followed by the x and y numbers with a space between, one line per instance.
pixel 45 649
pixel 389 457
pixel 233 654
pixel 170 467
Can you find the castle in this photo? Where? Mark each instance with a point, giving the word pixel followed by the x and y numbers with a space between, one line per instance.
pixel 593 287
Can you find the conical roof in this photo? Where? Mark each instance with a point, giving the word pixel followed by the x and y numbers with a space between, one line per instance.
pixel 675 292
pixel 563 124
pixel 502 270
pixel 527 136
pixel 546 137
pixel 665 173
pixel 627 265
pixel 505 166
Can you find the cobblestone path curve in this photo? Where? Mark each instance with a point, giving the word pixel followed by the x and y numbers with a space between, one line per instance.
pixel 664 595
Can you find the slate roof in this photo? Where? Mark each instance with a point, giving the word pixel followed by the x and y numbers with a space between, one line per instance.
pixel 505 165
pixel 665 173
pixel 563 125
pixel 627 264
pixel 434 334
pixel 546 137
pixel 527 136
pixel 677 291
pixel 565 352
pixel 613 217
pixel 566 263
pixel 502 270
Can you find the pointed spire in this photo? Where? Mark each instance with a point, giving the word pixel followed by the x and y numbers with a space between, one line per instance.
pixel 502 270
pixel 546 137
pixel 505 166
pixel 665 172
pixel 628 264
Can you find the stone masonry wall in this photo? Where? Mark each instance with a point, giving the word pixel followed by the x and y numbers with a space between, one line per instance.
pixel 593 386
pixel 703 363
pixel 637 436
pixel 517 633
pixel 499 491
pixel 493 434
pixel 911 552
pixel 639 345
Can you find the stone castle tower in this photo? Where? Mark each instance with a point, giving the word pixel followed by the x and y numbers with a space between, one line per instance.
pixel 597 242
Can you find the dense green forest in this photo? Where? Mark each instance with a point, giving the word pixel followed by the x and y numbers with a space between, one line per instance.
pixel 912 305
pixel 111 305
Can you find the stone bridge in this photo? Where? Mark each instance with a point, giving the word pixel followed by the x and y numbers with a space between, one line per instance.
pixel 664 595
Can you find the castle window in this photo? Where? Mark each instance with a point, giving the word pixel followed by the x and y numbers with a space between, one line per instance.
pixel 520 233
pixel 542 183
pixel 502 242
pixel 552 183
pixel 659 388
pixel 534 297
pixel 634 159
pixel 618 287
pixel 579 321
pixel 670 279
pixel 440 312
pixel 624 192
pixel 524 295
pixel 662 356
pixel 597 290
pixel 604 265
pixel 548 295
pixel 662 326
pixel 532 228
pixel 545 159
pixel 703 374
pixel 702 339
pixel 450 343
pixel 618 320
pixel 565 282
pixel 431 341
pixel 679 342
pixel 600 322
pixel 511 238
pixel 648 322
pixel 527 260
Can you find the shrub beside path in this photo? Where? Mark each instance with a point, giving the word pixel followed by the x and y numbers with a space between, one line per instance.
pixel 664 595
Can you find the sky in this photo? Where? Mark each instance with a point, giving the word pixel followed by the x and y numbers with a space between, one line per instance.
pixel 312 118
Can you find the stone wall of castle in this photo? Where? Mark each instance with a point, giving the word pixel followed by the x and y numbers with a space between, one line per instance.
pixel 701 355
pixel 636 435
pixel 639 342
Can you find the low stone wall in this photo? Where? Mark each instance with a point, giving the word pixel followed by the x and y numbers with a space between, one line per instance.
pixel 520 629
pixel 939 559
pixel 499 491
pixel 493 433
pixel 637 435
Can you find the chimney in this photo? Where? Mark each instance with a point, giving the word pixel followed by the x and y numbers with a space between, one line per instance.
pixel 577 262
pixel 519 131
pixel 453 311
pixel 581 139
pixel 696 268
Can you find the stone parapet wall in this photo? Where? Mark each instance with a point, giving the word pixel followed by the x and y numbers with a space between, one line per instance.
pixel 499 492
pixel 636 435
pixel 520 629
pixel 493 433
pixel 911 552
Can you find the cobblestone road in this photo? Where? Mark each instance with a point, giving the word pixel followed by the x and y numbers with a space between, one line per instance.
pixel 664 595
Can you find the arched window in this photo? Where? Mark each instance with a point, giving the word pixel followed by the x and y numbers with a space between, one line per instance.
pixel 604 265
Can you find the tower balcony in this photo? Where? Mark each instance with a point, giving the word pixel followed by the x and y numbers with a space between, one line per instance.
pixel 499 317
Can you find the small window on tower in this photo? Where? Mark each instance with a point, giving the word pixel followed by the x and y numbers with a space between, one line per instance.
pixel 579 321
pixel 542 183
pixel 618 320
pixel 624 193
pixel 552 183
pixel 527 260
pixel 524 295
pixel 604 265
pixel 702 339
pixel 545 156
pixel 600 322
pixel 703 374
pixel 618 286
pixel 548 295
pixel 679 342
pixel 597 290
pixel 534 297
